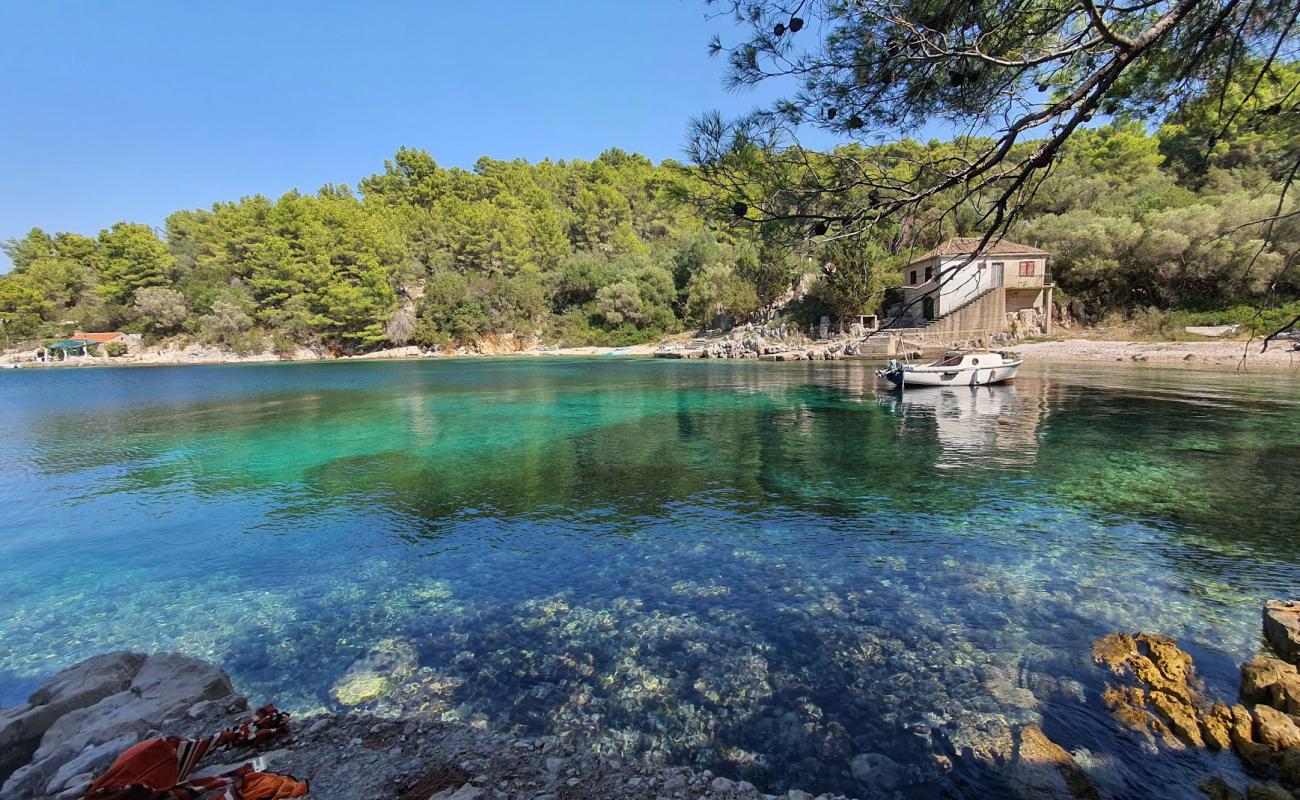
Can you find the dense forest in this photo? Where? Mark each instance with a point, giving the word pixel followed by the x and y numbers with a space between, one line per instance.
pixel 620 249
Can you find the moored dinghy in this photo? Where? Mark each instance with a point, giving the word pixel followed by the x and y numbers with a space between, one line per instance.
pixel 972 368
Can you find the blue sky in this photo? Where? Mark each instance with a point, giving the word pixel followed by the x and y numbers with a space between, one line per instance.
pixel 130 110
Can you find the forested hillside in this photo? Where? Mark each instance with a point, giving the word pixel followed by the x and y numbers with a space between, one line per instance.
pixel 620 249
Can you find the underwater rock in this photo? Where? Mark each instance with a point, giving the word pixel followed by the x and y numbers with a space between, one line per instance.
pixel 1043 768
pixel 376 674
pixel 164 688
pixel 1282 628
pixel 1038 767
pixel 1114 650
pixel 875 771
pixel 1023 759
pixel 76 687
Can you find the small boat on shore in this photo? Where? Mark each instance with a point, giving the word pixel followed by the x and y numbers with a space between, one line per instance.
pixel 972 368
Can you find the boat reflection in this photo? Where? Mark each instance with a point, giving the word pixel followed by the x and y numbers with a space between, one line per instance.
pixel 977 426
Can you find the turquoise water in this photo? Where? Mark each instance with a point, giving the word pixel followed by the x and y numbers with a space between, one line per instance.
pixel 765 569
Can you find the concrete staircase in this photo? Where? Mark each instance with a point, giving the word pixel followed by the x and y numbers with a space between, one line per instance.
pixel 979 298
pixel 985 311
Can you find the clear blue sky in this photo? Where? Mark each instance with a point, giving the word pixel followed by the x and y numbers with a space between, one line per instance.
pixel 130 109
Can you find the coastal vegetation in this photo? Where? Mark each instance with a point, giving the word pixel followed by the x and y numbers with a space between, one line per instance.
pixel 615 251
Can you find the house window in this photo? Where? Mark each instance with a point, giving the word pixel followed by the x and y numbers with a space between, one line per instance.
pixel 1026 269
pixel 929 273
pixel 913 281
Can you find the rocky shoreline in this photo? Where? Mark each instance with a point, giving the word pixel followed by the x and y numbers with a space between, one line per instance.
pixel 739 344
pixel 79 721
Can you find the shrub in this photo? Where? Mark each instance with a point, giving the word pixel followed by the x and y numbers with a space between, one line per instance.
pixel 161 309
pixel 283 344
pixel 226 321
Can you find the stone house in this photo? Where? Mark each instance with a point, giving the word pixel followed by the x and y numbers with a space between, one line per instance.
pixel 1008 286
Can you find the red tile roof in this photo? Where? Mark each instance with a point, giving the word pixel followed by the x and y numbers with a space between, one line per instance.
pixel 965 245
pixel 98 338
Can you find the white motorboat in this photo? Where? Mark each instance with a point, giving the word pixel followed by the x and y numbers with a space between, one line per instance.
pixel 969 368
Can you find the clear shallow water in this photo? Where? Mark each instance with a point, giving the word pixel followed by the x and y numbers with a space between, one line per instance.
pixel 763 569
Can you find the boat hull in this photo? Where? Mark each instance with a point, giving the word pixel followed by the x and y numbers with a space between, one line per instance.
pixel 964 376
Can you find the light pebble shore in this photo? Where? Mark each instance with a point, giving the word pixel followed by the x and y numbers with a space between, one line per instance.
pixel 207 354
pixel 1232 354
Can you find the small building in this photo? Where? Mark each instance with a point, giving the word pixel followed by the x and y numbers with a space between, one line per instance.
pixel 67 348
pixel 102 338
pixel 1007 286
pixel 81 344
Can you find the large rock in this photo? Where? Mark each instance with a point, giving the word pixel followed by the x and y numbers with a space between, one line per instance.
pixel 1244 745
pixel 164 688
pixel 1275 729
pixel 1164 706
pixel 1271 681
pixel 1282 628
pixel 76 687
pixel 1216 727
pixel 91 761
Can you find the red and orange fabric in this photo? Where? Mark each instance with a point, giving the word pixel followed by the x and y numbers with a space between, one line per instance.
pixel 159 769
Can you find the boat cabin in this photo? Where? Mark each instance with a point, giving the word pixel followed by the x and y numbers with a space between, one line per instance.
pixel 966 359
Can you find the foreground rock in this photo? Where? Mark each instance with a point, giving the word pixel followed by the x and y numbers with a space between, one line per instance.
pixel 94 710
pixel 355 757
pixel 22 728
pixel 78 722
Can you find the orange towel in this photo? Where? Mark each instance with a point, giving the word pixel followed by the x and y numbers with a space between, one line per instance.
pixel 159 769
pixel 269 786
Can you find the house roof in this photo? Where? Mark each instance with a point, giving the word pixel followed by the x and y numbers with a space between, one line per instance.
pixel 966 245
pixel 98 338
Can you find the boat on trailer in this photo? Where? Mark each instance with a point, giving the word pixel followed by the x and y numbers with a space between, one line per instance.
pixel 959 368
